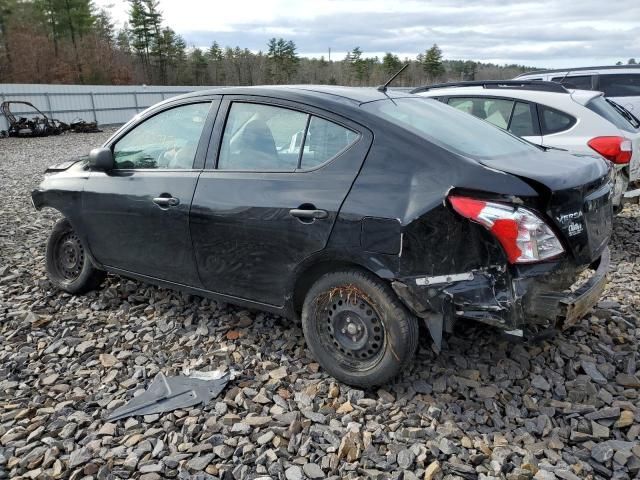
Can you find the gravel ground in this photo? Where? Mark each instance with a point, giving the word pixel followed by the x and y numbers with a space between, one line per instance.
pixel 485 408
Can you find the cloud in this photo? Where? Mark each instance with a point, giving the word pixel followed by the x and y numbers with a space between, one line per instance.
pixel 543 33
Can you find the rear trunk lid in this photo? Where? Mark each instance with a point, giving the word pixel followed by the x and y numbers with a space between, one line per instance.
pixel 578 192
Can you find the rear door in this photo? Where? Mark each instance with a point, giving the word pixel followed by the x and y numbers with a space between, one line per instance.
pixel 277 173
pixel 137 215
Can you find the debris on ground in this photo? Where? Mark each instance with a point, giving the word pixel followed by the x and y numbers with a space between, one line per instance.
pixel 40 125
pixel 166 394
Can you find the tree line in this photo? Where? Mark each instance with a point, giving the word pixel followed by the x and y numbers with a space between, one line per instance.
pixel 71 41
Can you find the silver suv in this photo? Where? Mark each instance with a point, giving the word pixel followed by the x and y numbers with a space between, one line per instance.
pixel 620 83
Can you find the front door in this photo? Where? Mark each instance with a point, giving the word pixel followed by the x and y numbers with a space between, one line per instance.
pixel 136 216
pixel 282 174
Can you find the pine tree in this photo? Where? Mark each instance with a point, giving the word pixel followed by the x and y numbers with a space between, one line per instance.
pixel 6 9
pixel 282 58
pixel 432 62
pixel 123 39
pixel 390 63
pixel 141 34
pixel 198 63
pixel 359 65
pixel 215 57
pixel 104 27
pixel 162 52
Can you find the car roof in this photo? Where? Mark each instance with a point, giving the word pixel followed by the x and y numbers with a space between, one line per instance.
pixel 580 96
pixel 317 93
pixel 581 69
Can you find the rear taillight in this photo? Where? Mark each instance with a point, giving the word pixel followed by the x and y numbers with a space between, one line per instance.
pixel 524 236
pixel 615 149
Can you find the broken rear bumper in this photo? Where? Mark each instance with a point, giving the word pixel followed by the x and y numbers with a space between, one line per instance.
pixel 531 297
pixel 565 309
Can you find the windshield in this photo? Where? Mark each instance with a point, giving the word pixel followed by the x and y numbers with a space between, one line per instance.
pixel 449 128
pixel 607 111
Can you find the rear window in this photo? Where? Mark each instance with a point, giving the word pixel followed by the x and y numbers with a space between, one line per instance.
pixel 607 111
pixel 580 82
pixel 449 128
pixel 620 84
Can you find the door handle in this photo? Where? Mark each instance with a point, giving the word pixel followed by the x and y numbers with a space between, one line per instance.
pixel 166 201
pixel 308 214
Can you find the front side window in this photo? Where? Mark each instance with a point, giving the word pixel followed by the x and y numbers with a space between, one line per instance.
pixel 167 140
pixel 620 84
pixel 262 138
pixel 555 121
pixel 522 123
pixel 579 82
pixel 493 110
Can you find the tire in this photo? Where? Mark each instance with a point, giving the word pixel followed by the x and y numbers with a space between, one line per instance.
pixel 357 329
pixel 68 265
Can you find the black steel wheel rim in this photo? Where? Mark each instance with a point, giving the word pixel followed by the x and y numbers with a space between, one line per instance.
pixel 69 256
pixel 351 330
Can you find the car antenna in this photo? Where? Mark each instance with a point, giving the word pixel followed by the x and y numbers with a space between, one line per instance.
pixel 383 88
pixel 565 76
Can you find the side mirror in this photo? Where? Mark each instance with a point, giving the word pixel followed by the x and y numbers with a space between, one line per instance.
pixel 101 159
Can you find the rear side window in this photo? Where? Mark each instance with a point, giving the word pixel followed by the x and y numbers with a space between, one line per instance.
pixel 324 141
pixel 268 138
pixel 620 85
pixel 522 121
pixel 493 110
pixel 607 111
pixel 579 82
pixel 262 138
pixel 555 121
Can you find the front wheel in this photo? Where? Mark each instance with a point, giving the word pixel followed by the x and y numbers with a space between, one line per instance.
pixel 357 329
pixel 68 266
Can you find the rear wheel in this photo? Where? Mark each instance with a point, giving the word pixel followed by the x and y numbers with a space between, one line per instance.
pixel 357 329
pixel 68 265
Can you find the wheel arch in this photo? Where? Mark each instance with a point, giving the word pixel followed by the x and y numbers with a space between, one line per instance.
pixel 310 271
pixel 74 221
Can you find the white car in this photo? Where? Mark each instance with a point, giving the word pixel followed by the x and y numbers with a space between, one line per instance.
pixel 549 115
pixel 620 83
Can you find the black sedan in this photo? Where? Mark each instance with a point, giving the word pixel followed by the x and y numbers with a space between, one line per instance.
pixel 360 212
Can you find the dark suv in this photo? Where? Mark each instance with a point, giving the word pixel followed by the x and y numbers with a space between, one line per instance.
pixel 359 211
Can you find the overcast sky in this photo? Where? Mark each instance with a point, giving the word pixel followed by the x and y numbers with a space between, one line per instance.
pixel 544 33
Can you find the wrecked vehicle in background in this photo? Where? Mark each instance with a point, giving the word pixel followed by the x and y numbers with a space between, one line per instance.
pixel 360 211
pixel 40 125
pixel 547 114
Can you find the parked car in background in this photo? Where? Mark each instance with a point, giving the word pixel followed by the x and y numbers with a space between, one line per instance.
pixel 550 115
pixel 620 83
pixel 357 210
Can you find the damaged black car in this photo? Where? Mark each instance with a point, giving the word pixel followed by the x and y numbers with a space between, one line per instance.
pixel 361 212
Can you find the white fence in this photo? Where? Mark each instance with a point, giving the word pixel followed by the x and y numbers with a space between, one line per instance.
pixel 108 105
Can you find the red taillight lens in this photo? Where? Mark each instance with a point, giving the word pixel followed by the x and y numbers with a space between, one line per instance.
pixel 615 149
pixel 524 236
